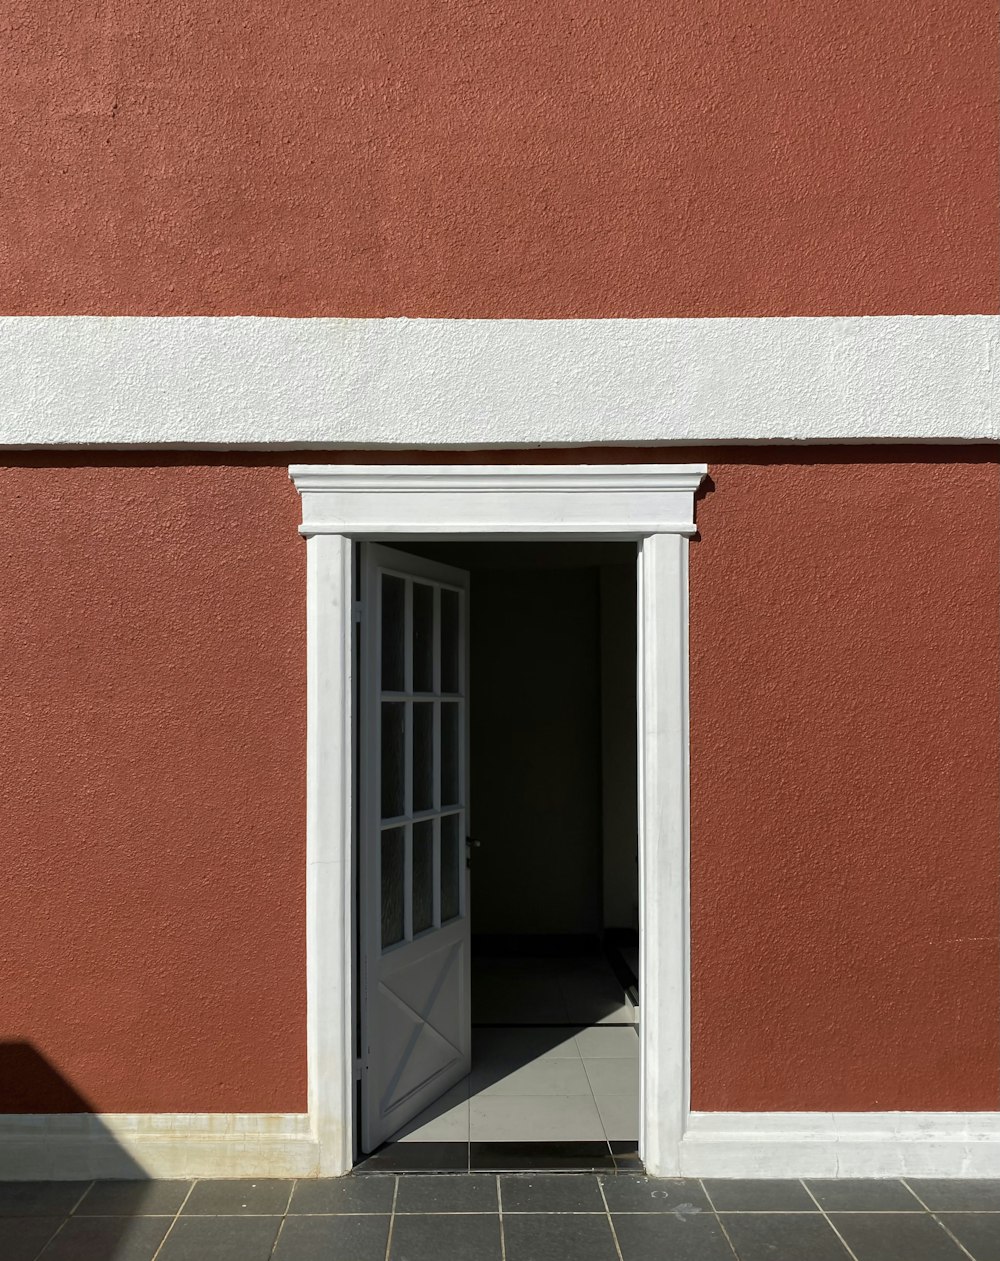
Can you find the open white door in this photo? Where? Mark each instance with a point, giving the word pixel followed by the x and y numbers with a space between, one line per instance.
pixel 416 1002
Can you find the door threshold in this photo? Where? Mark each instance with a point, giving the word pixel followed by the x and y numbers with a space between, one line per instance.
pixel 527 1157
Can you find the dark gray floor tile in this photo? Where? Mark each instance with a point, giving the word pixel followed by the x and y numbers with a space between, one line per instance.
pixel 978 1233
pixel 21 1238
pixel 417 1158
pixel 550 1193
pixel 447 1193
pixel 220 1239
pixel 107 1239
pixel 634 1193
pixel 896 1237
pixel 339 1238
pixel 862 1195
pixel 759 1195
pixel 665 1237
pixel 783 1237
pixel 970 1195
pixel 472 1237
pixel 529 1157
pixel 40 1199
pixel 133 1199
pixel 232 1196
pixel 544 1237
pixel 370 1194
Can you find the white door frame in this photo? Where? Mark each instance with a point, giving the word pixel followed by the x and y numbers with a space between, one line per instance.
pixel 652 505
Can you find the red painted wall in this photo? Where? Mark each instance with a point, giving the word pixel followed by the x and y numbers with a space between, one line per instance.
pixel 410 157
pixel 152 771
pixel 845 764
pixel 845 643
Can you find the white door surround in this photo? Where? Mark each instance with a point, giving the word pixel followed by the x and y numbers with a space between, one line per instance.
pixel 652 505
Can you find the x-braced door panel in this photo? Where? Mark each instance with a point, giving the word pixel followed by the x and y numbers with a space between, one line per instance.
pixel 416 1004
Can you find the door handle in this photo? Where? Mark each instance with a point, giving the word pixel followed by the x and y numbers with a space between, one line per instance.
pixel 470 845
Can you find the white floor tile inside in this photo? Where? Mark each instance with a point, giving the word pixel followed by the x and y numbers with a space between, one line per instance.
pixel 553 1058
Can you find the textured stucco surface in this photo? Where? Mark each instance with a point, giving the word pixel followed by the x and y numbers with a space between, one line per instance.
pixel 152 765
pixel 845 643
pixel 413 157
pixel 81 380
pixel 845 818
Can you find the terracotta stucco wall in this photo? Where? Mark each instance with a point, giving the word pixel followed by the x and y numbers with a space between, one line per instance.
pixel 844 748
pixel 844 763
pixel 405 157
pixel 152 773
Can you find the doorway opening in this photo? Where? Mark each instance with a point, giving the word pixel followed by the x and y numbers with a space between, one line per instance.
pixel 497 849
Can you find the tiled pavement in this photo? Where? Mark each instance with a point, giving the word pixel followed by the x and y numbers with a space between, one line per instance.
pixel 487 1217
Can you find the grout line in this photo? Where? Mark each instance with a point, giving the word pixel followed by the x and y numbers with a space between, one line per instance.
pixel 915 1196
pixel 284 1217
pixel 715 1214
pixel 607 1210
pixel 83 1195
pixel 50 1238
pixel 841 1212
pixel 826 1218
pixel 503 1236
pixel 194 1183
pixel 934 1215
pixel 90 1187
pixel 597 1107
pixel 277 1237
pixel 392 1216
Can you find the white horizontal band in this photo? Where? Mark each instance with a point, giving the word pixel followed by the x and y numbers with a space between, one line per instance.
pixel 259 382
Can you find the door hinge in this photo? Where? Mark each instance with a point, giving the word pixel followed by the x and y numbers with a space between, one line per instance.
pixel 358 1069
pixel 357 611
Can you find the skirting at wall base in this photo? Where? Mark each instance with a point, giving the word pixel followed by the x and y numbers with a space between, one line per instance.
pixel 715 1144
pixel 841 1145
pixel 163 1145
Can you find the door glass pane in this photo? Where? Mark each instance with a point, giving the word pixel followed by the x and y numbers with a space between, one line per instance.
pixel 449 753
pixel 393 629
pixel 393 746
pixel 423 875
pixel 449 640
pixel 423 637
pixel 393 881
pixel 423 756
pixel 451 866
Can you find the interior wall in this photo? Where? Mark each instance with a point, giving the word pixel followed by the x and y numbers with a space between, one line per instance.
pixel 535 712
pixel 619 754
pixel 549 589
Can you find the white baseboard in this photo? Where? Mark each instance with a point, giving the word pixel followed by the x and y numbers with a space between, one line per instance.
pixel 163 1145
pixel 715 1145
pixel 841 1145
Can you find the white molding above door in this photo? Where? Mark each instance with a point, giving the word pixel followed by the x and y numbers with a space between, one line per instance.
pixel 600 501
